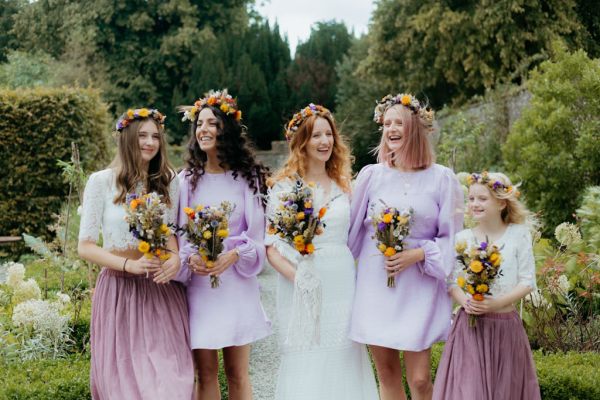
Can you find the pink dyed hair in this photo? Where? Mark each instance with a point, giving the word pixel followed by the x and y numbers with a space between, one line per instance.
pixel 415 151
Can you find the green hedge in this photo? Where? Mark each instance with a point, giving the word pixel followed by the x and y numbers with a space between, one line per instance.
pixel 37 127
pixel 571 376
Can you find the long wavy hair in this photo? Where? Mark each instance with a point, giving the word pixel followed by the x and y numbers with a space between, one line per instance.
pixel 129 166
pixel 416 151
pixel 234 151
pixel 338 166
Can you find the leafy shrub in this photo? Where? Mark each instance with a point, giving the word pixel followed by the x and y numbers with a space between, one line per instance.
pixel 555 145
pixel 37 128
pixel 572 376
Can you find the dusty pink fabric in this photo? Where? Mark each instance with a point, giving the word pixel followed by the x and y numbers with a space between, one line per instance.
pixel 491 361
pixel 139 339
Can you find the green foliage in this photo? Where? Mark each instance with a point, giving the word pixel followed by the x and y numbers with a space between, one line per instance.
pixel 355 99
pixel 453 50
pixel 36 129
pixel 589 217
pixel 464 145
pixel 572 376
pixel 8 8
pixel 46 379
pixel 555 145
pixel 312 76
pixel 138 52
pixel 252 65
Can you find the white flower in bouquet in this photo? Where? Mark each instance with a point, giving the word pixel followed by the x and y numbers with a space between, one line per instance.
pixel 26 290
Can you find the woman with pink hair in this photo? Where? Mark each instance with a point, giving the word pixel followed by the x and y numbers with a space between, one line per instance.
pixel 415 313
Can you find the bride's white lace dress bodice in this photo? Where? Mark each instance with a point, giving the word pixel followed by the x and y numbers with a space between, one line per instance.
pixel 337 368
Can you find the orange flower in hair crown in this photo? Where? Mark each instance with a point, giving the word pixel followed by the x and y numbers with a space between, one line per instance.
pixel 214 98
pixel 139 113
pixel 407 100
pixel 302 115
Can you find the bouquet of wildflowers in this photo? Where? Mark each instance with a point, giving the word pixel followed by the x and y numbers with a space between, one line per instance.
pixel 206 229
pixel 145 216
pixel 392 226
pixel 481 265
pixel 295 221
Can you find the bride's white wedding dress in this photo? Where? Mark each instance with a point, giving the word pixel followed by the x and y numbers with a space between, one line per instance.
pixel 336 367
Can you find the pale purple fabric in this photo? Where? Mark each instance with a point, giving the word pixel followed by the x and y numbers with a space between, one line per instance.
pixel 492 361
pixel 139 334
pixel 232 314
pixel 416 313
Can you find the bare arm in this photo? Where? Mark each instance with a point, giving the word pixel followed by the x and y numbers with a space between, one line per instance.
pixel 90 251
pixel 281 264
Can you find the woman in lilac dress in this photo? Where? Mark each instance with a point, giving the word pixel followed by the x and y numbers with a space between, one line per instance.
pixel 221 167
pixel 414 314
pixel 139 318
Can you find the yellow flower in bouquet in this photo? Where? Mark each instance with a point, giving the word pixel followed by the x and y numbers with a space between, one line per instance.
pixel 206 228
pixel 481 265
pixel 392 226
pixel 295 220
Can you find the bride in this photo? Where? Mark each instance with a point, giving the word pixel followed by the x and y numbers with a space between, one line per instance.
pixel 318 361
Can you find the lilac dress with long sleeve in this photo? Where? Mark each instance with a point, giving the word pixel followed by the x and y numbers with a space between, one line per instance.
pixel 416 313
pixel 232 314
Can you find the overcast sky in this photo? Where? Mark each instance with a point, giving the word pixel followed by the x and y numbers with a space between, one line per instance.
pixel 296 17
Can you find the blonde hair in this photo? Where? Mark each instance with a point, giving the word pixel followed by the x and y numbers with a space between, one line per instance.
pixel 416 151
pixel 514 211
pixel 338 166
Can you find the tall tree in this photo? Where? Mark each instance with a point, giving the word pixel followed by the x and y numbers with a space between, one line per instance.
pixel 452 50
pixel 140 51
pixel 312 76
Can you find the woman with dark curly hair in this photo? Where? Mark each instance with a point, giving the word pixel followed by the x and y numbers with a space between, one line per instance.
pixel 220 166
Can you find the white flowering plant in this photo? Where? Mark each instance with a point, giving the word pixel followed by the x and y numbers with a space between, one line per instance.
pixel 30 327
pixel 564 313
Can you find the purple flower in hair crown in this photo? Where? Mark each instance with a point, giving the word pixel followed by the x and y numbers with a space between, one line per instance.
pixel 302 115
pixel 496 186
pixel 139 113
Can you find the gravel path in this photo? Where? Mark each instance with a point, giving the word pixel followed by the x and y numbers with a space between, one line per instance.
pixel 264 358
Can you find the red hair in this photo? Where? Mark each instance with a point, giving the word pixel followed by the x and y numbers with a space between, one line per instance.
pixel 415 151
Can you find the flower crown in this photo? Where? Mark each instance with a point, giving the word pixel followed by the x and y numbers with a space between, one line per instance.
pixel 139 113
pixel 407 100
pixel 302 115
pixel 218 98
pixel 493 185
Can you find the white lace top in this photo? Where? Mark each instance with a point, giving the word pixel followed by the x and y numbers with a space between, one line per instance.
pixel 517 266
pixel 101 214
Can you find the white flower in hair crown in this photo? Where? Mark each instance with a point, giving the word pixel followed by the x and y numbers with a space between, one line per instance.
pixel 139 113
pixel 214 98
pixel 407 100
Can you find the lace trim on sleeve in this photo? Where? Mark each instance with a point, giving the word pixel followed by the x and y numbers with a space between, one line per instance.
pixel 92 208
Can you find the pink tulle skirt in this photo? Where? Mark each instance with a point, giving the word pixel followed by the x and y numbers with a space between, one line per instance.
pixel 139 339
pixel 491 361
